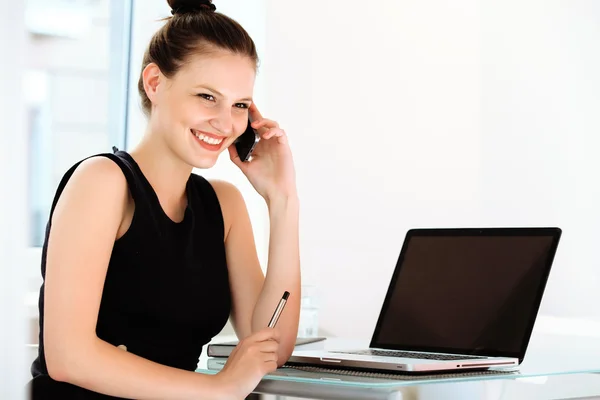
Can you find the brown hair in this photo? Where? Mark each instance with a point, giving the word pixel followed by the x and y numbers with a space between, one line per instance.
pixel 194 28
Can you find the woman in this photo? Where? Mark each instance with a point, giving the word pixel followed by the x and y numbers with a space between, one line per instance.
pixel 144 262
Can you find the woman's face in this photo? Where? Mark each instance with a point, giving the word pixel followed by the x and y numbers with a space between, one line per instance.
pixel 203 108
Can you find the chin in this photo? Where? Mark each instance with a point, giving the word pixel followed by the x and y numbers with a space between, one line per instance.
pixel 202 162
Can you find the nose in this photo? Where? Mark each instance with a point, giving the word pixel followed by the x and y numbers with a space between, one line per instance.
pixel 223 121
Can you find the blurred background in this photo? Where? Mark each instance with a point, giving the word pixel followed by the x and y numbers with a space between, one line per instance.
pixel 401 114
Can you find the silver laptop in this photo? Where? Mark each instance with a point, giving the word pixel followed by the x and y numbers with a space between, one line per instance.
pixel 459 299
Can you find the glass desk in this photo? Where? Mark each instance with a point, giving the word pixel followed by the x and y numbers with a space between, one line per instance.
pixel 555 367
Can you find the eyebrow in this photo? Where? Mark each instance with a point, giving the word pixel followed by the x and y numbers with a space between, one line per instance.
pixel 221 94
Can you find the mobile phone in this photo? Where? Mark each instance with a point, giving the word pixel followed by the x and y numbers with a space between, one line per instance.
pixel 246 143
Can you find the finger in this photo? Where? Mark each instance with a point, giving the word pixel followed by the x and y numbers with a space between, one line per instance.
pixel 269 346
pixel 266 334
pixel 254 113
pixel 282 139
pixel 265 123
pixel 274 132
pixel 270 366
pixel 270 357
pixel 235 158
pixel 233 155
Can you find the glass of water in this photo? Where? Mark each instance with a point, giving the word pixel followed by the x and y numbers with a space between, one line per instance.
pixel 309 312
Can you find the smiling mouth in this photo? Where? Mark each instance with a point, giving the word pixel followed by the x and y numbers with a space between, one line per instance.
pixel 207 139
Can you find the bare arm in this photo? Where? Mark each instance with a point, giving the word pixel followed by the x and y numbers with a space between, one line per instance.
pixel 85 225
pixel 283 273
pixel 254 296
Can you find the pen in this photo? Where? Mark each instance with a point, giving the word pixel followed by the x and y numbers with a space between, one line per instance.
pixel 279 309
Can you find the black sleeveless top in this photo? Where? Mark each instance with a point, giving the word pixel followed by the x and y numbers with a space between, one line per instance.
pixel 166 292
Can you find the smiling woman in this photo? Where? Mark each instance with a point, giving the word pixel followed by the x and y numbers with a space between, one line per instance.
pixel 145 261
pixel 194 109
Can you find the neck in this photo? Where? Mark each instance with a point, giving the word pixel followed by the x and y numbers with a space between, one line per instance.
pixel 167 173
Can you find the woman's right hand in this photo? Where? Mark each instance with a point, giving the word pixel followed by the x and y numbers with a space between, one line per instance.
pixel 253 358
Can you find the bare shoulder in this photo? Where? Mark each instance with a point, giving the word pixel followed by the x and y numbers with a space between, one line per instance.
pixel 226 191
pixel 230 199
pixel 96 181
pixel 99 169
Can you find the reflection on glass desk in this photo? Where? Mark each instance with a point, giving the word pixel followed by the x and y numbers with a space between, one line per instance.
pixel 555 367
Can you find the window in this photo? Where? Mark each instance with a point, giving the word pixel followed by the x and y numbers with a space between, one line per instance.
pixel 75 92
pixel 75 87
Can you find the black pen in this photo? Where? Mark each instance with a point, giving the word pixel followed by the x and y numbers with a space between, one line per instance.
pixel 279 309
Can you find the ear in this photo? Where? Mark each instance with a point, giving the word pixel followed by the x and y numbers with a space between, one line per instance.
pixel 151 77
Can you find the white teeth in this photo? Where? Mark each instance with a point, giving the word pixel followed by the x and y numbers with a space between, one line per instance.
pixel 207 139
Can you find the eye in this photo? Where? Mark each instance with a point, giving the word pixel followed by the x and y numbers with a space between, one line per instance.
pixel 205 96
pixel 242 105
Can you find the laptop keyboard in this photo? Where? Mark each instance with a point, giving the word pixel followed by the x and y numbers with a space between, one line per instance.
pixel 408 354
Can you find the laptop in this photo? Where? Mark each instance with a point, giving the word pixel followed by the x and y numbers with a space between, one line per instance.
pixel 459 299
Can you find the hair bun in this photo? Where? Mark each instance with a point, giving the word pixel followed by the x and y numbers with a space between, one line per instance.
pixel 179 7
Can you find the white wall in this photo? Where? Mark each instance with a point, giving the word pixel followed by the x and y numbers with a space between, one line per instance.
pixel 416 113
pixel 426 113
pixel 382 106
pixel 13 371
pixel 540 108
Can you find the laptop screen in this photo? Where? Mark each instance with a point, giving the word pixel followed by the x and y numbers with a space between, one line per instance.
pixel 467 291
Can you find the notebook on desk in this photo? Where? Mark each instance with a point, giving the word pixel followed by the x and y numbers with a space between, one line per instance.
pixel 459 299
pixel 224 349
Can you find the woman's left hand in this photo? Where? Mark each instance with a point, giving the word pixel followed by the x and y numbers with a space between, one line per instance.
pixel 271 169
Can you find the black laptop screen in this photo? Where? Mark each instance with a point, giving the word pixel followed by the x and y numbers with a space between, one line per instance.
pixel 471 294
